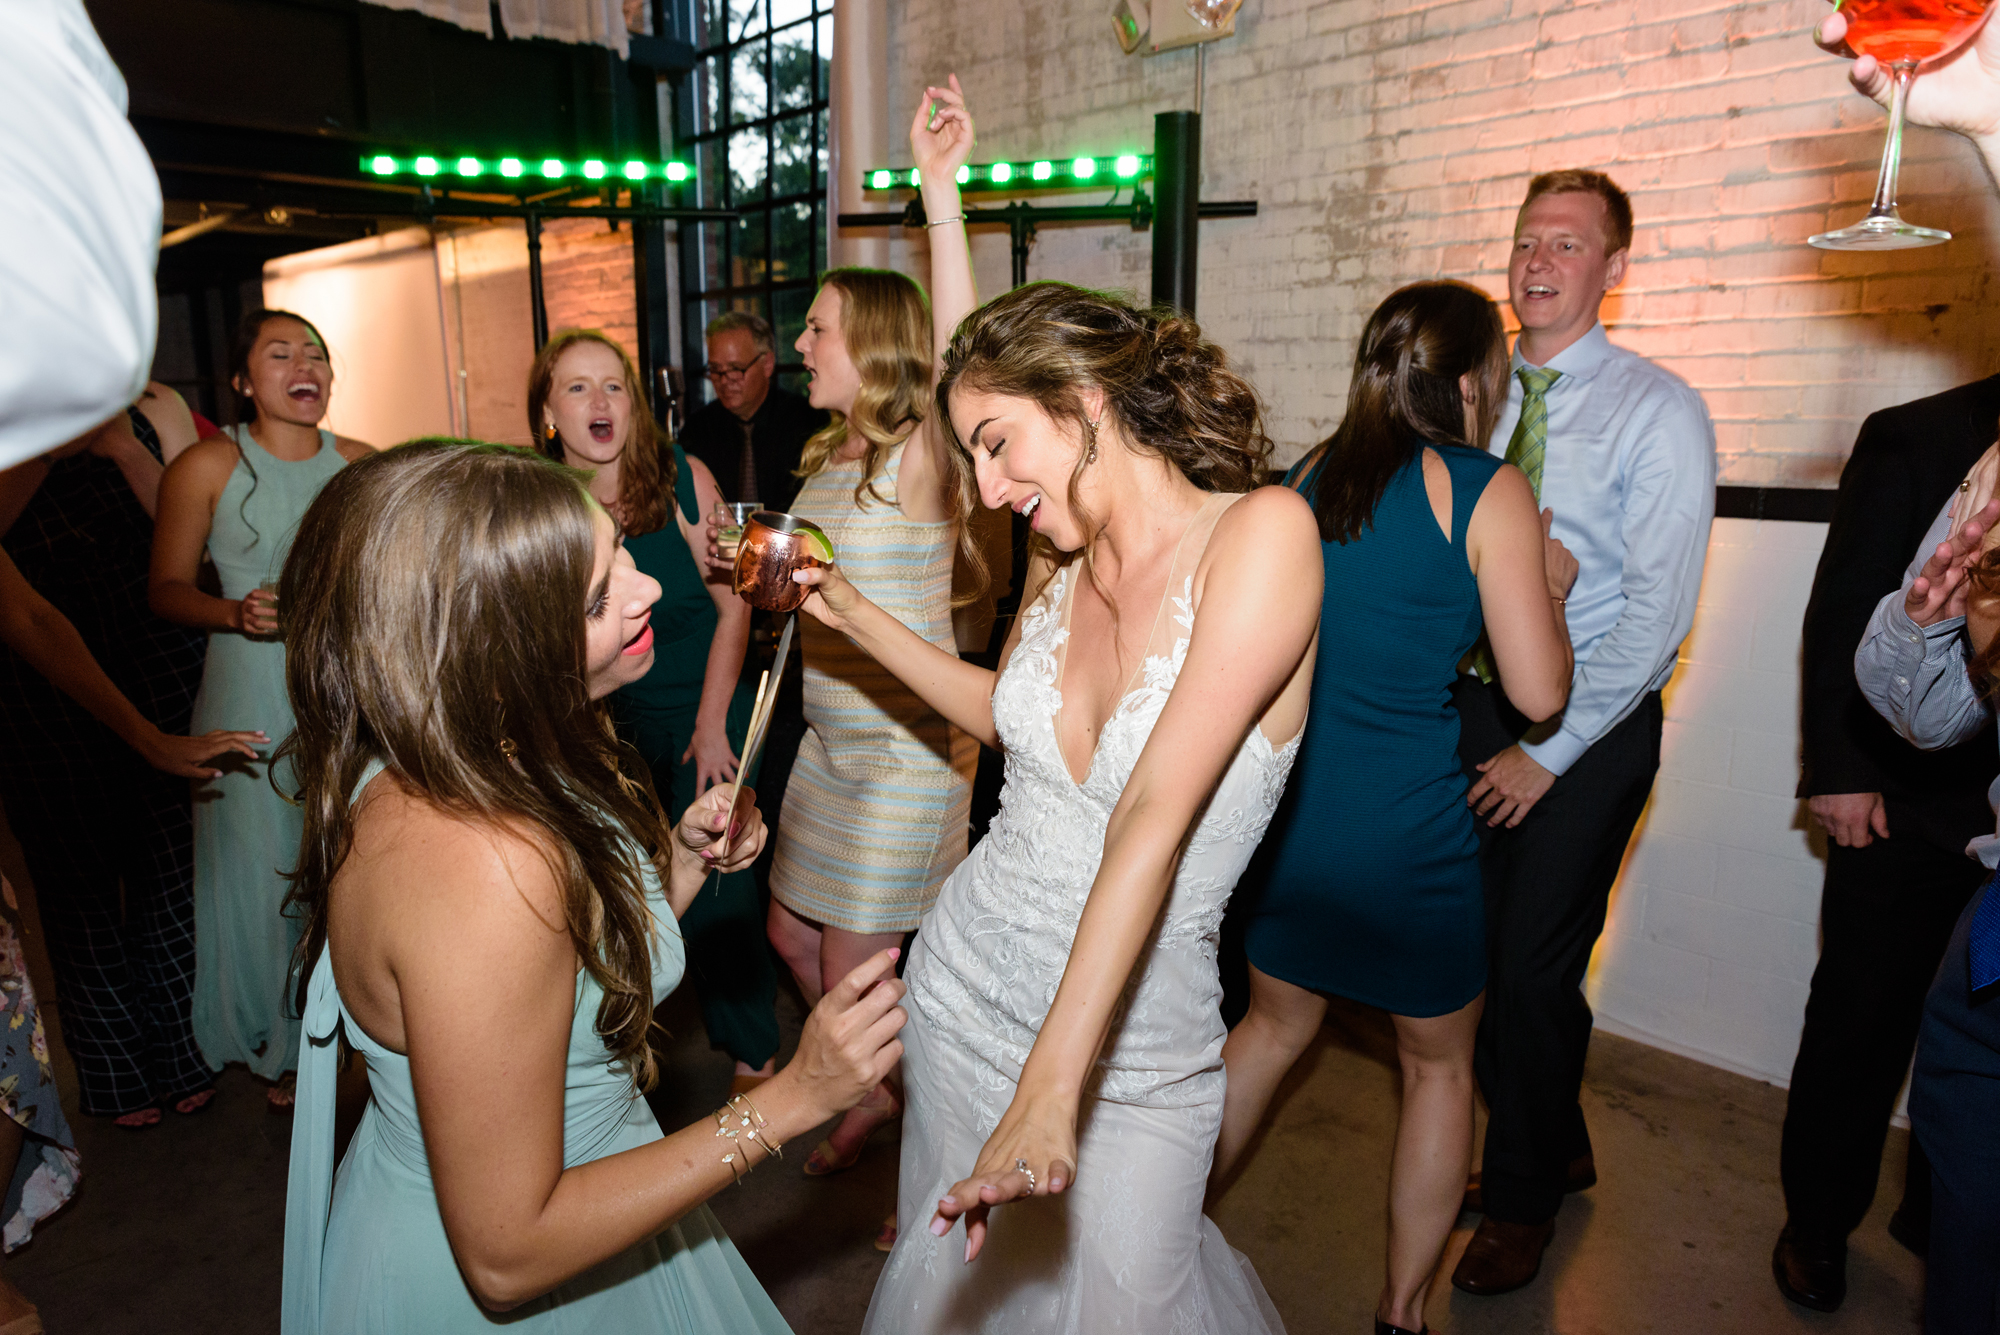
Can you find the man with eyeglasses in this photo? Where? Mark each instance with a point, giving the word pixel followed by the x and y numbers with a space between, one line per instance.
pixel 751 434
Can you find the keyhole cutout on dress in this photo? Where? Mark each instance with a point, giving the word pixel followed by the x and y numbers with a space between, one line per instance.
pixel 1094 707
pixel 1437 488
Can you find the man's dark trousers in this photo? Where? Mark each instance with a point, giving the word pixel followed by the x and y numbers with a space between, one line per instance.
pixel 1548 882
pixel 1955 1110
pixel 1885 916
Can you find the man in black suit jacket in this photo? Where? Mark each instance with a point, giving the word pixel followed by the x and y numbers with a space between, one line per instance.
pixel 751 434
pixel 1897 821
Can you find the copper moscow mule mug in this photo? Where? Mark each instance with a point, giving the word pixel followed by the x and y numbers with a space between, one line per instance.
pixel 773 546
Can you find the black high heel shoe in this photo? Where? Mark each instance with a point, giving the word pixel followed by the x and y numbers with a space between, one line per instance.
pixel 1384 1328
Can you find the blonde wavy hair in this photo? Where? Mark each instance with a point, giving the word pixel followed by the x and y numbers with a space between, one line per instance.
pixel 886 323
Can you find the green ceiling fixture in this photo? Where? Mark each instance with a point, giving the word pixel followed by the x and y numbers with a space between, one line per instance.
pixel 469 168
pixel 1049 173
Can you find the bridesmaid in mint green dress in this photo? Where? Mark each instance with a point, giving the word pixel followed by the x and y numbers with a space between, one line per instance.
pixel 240 496
pixel 485 926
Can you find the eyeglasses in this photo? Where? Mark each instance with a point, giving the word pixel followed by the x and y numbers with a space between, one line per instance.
pixel 723 371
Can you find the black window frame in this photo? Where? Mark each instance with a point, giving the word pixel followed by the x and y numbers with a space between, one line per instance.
pixel 713 248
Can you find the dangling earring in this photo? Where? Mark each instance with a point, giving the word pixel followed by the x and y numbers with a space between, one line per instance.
pixel 508 749
pixel 549 431
pixel 1091 456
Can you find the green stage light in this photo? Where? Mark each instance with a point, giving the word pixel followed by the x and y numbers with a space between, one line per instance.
pixel 1083 168
pixel 1002 173
pixel 510 166
pixel 425 166
pixel 635 171
pixel 1043 170
pixel 470 167
pixel 1127 166
pixel 964 175
pixel 916 178
pixel 677 171
pixel 382 165
pixel 880 180
pixel 593 169
pixel 553 168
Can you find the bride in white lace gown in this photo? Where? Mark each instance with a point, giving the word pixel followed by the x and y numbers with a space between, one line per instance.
pixel 1064 1047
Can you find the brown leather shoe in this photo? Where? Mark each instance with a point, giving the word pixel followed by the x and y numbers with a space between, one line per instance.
pixel 1581 1175
pixel 1811 1273
pixel 1502 1257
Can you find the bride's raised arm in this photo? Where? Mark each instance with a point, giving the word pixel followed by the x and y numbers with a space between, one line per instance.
pixel 1253 636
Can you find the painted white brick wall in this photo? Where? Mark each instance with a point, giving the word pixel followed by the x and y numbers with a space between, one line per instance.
pixel 1714 924
pixel 1388 141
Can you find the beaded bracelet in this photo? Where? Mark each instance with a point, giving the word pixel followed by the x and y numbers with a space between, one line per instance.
pixel 956 217
pixel 739 1122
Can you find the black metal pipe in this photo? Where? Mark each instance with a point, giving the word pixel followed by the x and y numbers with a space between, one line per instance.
pixel 1177 207
pixel 536 301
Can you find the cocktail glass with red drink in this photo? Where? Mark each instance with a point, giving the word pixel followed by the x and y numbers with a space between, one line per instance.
pixel 1901 35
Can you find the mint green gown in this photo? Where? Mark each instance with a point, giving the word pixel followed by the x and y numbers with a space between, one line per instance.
pixel 365 1248
pixel 244 833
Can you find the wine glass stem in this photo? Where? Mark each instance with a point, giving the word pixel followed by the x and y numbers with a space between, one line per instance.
pixel 1901 74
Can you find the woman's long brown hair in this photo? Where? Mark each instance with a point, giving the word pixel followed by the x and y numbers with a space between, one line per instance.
pixel 646 466
pixel 886 325
pixel 1404 394
pixel 437 599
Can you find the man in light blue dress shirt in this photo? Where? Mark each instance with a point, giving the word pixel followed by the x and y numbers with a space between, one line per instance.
pixel 1623 452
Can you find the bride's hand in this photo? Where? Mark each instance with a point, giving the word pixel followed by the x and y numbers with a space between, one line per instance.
pixel 1038 1130
pixel 833 601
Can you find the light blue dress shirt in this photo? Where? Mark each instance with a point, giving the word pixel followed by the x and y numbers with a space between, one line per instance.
pixel 1915 676
pixel 1630 473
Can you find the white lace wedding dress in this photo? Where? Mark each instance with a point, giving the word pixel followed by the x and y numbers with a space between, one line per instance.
pixel 1126 1247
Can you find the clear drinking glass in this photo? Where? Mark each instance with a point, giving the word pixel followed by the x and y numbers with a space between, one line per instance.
pixel 1901 34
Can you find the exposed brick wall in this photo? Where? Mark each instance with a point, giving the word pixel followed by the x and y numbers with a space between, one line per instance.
pixel 586 279
pixel 1388 141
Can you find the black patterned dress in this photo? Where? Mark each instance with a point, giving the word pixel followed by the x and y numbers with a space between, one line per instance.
pixel 90 815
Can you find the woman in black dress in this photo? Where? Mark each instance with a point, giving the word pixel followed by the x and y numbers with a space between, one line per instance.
pixel 89 813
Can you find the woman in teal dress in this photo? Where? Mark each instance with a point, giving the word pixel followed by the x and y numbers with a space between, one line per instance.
pixel 681 715
pixel 1367 885
pixel 240 497
pixel 489 906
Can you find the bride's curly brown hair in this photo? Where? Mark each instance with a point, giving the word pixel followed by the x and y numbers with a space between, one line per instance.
pixel 1169 390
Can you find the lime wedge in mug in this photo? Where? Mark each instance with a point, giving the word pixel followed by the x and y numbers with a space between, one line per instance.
pixel 816 543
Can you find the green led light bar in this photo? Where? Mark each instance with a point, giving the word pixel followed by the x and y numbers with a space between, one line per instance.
pixel 514 169
pixel 1052 173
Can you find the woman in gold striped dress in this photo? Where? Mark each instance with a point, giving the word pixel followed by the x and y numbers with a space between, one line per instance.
pixel 875 814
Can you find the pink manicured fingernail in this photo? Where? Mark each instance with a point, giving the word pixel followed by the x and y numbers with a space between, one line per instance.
pixel 940 1227
pixel 968 1251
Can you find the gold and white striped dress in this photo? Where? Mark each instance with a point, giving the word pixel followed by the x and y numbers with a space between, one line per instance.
pixel 875 814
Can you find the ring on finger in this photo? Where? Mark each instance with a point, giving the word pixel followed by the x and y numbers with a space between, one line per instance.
pixel 1021 1167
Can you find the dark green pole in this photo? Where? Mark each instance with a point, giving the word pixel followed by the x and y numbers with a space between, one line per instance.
pixel 1176 207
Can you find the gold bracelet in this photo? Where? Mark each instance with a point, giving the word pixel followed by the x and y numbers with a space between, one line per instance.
pixel 739 1122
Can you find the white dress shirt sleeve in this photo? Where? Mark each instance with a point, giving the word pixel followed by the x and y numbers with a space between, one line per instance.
pixel 1665 512
pixel 79 232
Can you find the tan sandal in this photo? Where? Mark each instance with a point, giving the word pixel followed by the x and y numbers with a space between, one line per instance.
pixel 825 1161
pixel 885 1239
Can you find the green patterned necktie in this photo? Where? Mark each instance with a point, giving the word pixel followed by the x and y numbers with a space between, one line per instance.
pixel 1530 442
pixel 1526 449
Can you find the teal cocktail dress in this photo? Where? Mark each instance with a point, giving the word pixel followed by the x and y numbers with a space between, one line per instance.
pixel 1368 885
pixel 365 1248
pixel 728 960
pixel 245 834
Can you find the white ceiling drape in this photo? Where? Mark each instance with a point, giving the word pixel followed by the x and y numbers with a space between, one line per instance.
pixel 599 22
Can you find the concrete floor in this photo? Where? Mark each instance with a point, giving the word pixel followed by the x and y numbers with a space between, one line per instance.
pixel 180 1229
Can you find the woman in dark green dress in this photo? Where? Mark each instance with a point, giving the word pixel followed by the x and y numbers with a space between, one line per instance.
pixel 587 409
pixel 1367 885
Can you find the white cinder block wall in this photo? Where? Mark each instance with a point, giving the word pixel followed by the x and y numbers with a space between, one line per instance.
pixel 1388 141
pixel 1714 925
